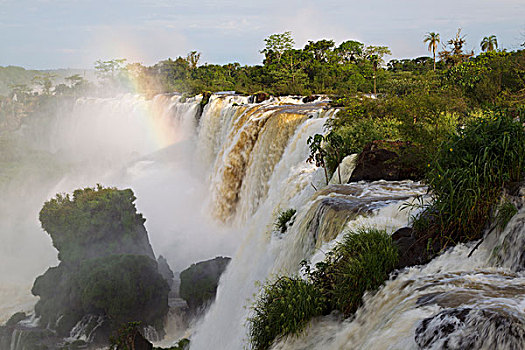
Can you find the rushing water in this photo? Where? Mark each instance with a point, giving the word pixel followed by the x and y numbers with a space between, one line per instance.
pixel 212 182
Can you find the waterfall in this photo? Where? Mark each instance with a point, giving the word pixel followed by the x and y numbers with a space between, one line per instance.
pixel 211 181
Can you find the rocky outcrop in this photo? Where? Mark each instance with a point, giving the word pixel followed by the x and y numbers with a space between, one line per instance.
pixel 385 160
pixel 198 283
pixel 108 274
pixel 259 97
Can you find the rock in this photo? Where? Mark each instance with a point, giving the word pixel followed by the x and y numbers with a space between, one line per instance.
pixel 142 343
pixel 412 251
pixel 13 320
pixel 95 222
pixel 381 160
pixel 469 328
pixel 199 282
pixel 259 97
pixel 108 274
pixel 310 98
pixel 165 270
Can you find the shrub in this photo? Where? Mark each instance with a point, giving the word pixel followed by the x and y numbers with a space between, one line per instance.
pixel 284 308
pixel 360 263
pixel 467 177
pixel 283 219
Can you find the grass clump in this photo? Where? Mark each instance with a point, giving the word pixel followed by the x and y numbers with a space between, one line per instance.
pixel 283 219
pixel 360 263
pixel 284 308
pixel 467 178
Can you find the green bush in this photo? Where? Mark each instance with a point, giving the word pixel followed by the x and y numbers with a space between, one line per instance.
pixel 467 177
pixel 283 218
pixel 360 263
pixel 284 308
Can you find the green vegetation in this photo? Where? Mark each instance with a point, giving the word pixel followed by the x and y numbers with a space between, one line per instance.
pixel 107 268
pixel 95 222
pixel 123 288
pixel 468 175
pixel 199 282
pixel 285 307
pixel 283 219
pixel 360 263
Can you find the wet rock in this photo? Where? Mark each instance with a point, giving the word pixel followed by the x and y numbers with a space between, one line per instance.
pixel 259 97
pixel 509 251
pixel 385 160
pixel 13 320
pixel 199 282
pixel 165 270
pixel 412 251
pixel 310 98
pixel 469 328
pixel 141 343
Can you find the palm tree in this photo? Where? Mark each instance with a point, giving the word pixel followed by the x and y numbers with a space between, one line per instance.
pixel 489 43
pixel 433 41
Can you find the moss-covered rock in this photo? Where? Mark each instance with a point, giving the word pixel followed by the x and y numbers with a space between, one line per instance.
pixel 108 274
pixel 198 283
pixel 95 222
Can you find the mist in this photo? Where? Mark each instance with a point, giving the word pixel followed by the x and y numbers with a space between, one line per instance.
pixel 123 142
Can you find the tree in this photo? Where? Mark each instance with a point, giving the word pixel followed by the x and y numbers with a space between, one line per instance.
pixel 193 59
pixel 455 55
pixel 375 55
pixel 320 50
pixel 489 43
pixel 109 69
pixel 433 40
pixel 349 51
pixel 277 44
pixel 74 80
pixel 45 81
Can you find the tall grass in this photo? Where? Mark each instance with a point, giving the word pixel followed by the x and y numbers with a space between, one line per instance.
pixel 360 263
pixel 284 308
pixel 467 177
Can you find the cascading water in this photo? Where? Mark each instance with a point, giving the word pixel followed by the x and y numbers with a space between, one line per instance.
pixel 240 164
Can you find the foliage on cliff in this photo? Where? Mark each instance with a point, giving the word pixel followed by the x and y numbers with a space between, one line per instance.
pixel 95 222
pixel 107 268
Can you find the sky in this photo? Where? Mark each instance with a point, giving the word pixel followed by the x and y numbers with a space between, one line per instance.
pixel 49 34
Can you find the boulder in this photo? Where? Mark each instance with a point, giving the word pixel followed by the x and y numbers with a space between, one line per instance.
pixel 385 160
pixel 260 96
pixel 199 282
pixel 471 328
pixel 412 250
